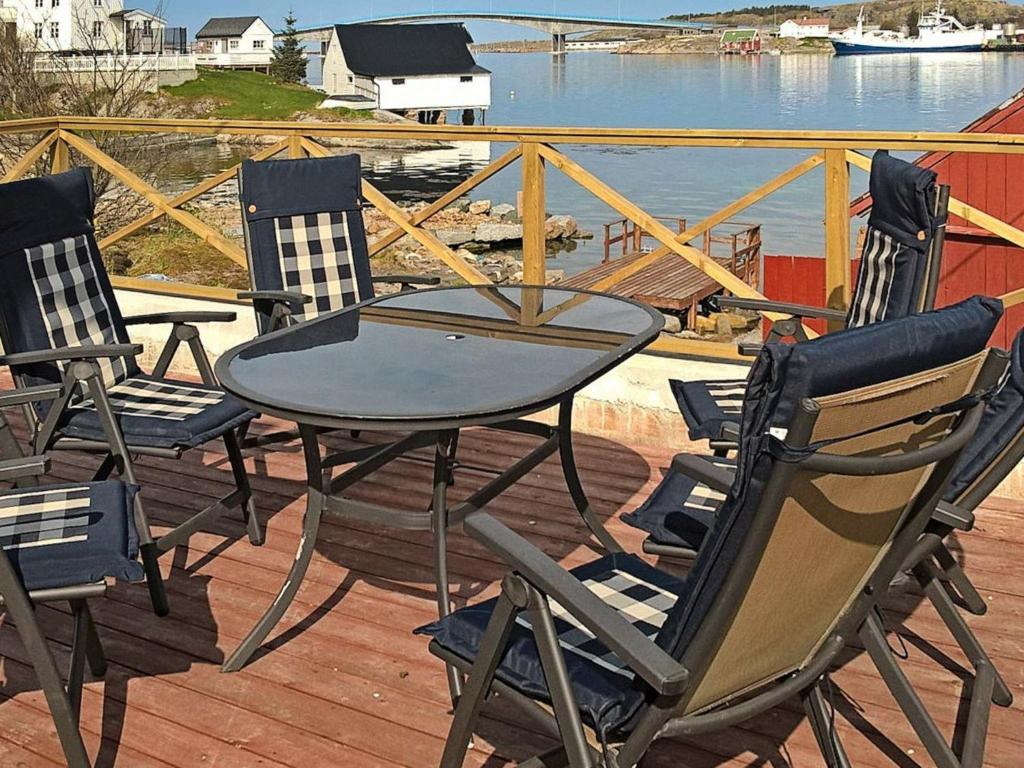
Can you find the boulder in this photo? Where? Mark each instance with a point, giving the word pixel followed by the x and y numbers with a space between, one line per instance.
pixel 553 275
pixel 672 324
pixel 479 207
pixel 496 232
pixel 454 236
pixel 461 205
pixel 469 256
pixel 705 325
pixel 559 227
pixel 505 212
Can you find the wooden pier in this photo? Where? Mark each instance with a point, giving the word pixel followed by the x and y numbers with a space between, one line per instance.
pixel 671 283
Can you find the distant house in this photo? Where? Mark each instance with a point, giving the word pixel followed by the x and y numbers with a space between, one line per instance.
pixel 427 68
pixel 235 42
pixel 90 26
pixel 805 27
pixel 742 41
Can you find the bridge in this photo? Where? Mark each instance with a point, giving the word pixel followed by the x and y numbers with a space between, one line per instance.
pixel 557 25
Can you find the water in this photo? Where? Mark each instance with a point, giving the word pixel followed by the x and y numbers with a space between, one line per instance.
pixel 929 92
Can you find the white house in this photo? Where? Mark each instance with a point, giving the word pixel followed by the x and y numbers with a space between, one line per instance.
pixel 67 26
pixel 236 42
pixel 805 27
pixel 427 68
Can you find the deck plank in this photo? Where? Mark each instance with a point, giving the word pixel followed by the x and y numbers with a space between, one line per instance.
pixel 346 681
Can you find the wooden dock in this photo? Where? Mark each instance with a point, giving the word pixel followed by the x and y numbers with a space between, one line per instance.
pixel 671 283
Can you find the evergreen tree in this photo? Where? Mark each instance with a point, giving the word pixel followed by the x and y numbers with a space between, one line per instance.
pixel 288 64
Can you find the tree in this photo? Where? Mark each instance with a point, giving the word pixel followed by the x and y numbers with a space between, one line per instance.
pixel 911 22
pixel 289 62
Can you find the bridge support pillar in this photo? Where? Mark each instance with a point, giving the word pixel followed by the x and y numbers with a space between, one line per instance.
pixel 557 43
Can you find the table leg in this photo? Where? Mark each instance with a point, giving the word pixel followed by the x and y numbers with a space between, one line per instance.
pixel 310 527
pixel 572 479
pixel 439 507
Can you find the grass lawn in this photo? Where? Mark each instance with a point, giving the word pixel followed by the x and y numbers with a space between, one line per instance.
pixel 247 95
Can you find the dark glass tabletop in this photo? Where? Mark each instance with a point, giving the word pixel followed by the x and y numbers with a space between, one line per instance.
pixel 438 358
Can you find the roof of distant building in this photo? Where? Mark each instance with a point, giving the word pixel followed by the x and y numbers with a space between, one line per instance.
pixel 819 22
pixel 738 35
pixel 226 26
pixel 387 50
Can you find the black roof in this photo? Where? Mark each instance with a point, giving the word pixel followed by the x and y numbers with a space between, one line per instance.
pixel 226 26
pixel 386 50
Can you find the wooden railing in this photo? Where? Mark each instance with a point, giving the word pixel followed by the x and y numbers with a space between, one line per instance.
pixel 63 139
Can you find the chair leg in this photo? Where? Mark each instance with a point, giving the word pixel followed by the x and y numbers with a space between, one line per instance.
pixel 957 579
pixel 57 699
pixel 252 521
pixel 439 507
pixel 149 554
pixel 929 579
pixel 872 634
pixel 94 654
pixel 492 645
pixel 823 726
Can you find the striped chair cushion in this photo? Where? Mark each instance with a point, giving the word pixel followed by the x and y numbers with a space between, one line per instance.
pixel 160 412
pixel 681 510
pixel 71 299
pixel 875 279
pixel 316 260
pixel 62 535
pixel 708 405
pixel 605 689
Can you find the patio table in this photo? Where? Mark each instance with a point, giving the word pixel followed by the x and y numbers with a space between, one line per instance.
pixel 426 364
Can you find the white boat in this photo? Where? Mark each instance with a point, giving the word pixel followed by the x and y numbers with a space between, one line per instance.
pixel 937 31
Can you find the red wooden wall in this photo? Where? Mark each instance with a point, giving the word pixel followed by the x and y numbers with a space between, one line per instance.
pixel 973 261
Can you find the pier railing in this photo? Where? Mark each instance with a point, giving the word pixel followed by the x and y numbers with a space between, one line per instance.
pixel 62 141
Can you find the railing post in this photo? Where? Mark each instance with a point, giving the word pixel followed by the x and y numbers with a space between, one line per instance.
pixel 60 156
pixel 534 252
pixel 295 148
pixel 837 232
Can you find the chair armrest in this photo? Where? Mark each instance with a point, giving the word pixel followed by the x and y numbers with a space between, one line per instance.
pixel 407 279
pixel 181 317
pixel 702 470
pixel 96 352
pixel 283 297
pixel 34 394
pixel 26 466
pixel 785 308
pixel 655 666
pixel 749 348
pixel 955 517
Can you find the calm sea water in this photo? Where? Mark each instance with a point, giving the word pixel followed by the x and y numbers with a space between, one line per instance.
pixel 933 92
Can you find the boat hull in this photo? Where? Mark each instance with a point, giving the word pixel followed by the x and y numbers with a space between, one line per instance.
pixel 856 49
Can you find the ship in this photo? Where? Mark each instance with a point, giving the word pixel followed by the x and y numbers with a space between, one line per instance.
pixel 938 31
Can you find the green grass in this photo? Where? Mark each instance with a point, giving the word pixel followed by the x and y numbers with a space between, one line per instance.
pixel 247 95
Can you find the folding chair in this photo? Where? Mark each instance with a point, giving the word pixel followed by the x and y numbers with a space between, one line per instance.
pixel 841 432
pixel 74 367
pixel 59 543
pixel 899 272
pixel 305 241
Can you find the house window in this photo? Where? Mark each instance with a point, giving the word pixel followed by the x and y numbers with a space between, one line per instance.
pixel 97 3
pixel 398 81
pixel 233 44
pixel 39 3
pixel 466 79
pixel 257 45
pixel 147 28
pixel 97 29
pixel 56 3
pixel 54 29
pixel 39 31
pixel 351 79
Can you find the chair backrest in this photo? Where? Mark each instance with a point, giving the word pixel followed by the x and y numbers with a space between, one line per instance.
pixel 998 445
pixel 55 291
pixel 304 231
pixel 902 249
pixel 795 542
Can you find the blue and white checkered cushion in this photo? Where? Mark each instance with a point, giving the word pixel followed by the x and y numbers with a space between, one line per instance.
pixel 74 308
pixel 708 405
pixel 681 510
pixel 316 260
pixel 159 413
pixel 63 535
pixel 605 689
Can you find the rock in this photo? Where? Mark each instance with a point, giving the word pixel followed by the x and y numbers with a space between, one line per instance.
pixel 553 275
pixel 496 232
pixel 583 234
pixel 479 207
pixel 373 226
pixel 505 212
pixel 559 227
pixel 118 262
pixel 461 205
pixel 705 325
pixel 722 325
pixel 454 236
pixel 672 324
pixel 469 256
pixel 731 321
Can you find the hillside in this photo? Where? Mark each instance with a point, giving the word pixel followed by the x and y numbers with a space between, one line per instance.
pixel 890 14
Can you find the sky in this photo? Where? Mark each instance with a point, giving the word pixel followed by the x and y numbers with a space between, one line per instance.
pixel 194 13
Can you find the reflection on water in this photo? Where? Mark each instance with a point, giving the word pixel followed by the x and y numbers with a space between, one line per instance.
pixel 936 92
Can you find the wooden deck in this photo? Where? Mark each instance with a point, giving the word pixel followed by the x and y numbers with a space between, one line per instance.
pixel 348 684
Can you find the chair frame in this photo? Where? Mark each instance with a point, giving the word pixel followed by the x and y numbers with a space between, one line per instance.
pixel 64 701
pixel 82 370
pixel 535 578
